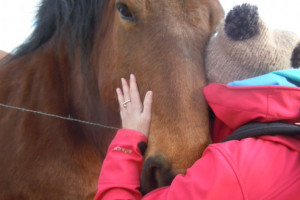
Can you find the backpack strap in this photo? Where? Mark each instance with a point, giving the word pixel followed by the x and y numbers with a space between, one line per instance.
pixel 257 129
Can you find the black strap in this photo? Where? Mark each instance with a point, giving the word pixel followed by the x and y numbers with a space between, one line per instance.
pixel 257 129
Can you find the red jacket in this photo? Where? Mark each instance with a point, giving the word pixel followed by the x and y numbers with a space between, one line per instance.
pixel 267 167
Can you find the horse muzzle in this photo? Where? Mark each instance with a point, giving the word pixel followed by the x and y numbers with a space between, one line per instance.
pixel 156 172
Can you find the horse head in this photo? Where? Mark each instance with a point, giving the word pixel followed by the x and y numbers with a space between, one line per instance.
pixel 162 43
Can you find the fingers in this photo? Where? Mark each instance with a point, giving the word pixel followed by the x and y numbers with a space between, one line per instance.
pixel 134 114
pixel 134 93
pixel 125 87
pixel 148 104
pixel 120 97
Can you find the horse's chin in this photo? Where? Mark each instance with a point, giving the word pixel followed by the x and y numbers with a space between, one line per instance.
pixel 156 173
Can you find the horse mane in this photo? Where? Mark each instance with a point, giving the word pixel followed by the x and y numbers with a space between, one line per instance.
pixel 73 22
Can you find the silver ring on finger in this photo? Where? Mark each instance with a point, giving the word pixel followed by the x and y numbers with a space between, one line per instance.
pixel 125 103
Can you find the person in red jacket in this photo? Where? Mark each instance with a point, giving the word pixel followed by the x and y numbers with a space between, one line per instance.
pixel 262 167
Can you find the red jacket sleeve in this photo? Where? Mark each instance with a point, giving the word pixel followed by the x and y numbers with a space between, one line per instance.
pixel 211 177
pixel 121 169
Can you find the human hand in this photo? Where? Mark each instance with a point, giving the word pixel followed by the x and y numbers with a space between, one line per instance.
pixel 134 114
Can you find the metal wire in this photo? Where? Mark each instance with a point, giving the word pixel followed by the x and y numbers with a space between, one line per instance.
pixel 57 116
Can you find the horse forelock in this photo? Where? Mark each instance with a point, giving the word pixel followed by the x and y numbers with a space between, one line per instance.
pixel 70 22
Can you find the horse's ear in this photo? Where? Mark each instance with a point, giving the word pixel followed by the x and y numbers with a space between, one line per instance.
pixel 216 13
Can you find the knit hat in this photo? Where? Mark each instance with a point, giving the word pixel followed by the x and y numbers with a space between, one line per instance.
pixel 245 47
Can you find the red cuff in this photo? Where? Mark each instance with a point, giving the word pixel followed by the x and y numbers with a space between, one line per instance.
pixel 127 137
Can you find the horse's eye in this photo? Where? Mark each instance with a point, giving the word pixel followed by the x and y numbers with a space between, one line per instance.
pixel 124 12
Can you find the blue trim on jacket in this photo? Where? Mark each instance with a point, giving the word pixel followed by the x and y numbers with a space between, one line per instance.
pixel 289 77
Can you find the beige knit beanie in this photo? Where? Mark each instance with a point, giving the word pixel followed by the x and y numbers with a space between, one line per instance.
pixel 245 47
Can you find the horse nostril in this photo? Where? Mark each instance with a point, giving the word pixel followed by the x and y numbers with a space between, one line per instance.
pixel 156 173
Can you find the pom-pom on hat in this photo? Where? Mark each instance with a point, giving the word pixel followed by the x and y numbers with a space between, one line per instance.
pixel 245 47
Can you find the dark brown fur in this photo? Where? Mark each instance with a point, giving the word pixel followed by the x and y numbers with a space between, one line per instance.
pixel 71 67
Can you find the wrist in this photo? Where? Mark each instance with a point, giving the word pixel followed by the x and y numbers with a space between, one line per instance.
pixel 129 139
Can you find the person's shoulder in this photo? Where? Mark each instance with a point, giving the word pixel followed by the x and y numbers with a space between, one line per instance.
pixel 232 145
pixel 249 150
pixel 260 162
pixel 261 153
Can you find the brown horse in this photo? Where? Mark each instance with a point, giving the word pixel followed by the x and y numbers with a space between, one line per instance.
pixel 71 66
